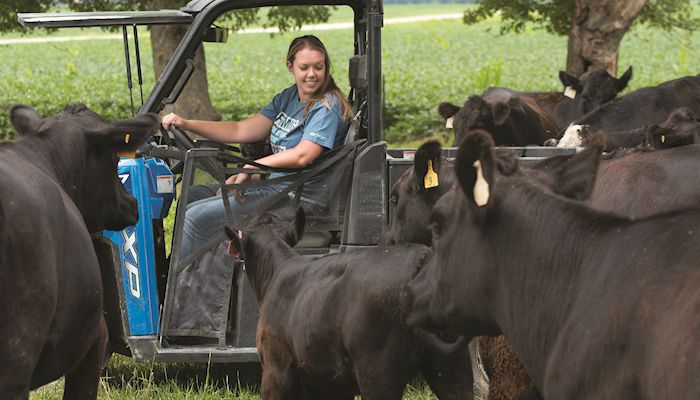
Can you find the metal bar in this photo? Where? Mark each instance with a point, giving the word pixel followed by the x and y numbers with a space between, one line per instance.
pixel 138 61
pixel 128 67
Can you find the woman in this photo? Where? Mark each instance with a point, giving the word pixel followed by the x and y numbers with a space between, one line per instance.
pixel 302 121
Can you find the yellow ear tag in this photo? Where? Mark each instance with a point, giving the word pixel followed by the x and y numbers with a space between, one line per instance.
pixel 663 138
pixel 431 178
pixel 126 154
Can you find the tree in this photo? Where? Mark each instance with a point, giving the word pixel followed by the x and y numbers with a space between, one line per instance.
pixel 194 102
pixel 595 27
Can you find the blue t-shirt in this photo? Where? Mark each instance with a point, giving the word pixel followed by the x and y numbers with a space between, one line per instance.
pixel 323 124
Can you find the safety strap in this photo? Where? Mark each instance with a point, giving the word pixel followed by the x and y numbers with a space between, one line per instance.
pixel 297 177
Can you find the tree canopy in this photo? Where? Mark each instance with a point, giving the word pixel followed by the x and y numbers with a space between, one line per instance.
pixel 556 16
pixel 283 18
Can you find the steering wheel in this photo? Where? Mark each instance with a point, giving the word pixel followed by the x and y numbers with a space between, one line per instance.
pixel 182 140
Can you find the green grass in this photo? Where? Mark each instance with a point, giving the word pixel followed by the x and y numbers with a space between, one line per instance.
pixel 128 380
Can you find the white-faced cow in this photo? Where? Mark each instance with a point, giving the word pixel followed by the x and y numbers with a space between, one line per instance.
pixel 680 127
pixel 642 107
pixel 594 304
pixel 332 327
pixel 59 183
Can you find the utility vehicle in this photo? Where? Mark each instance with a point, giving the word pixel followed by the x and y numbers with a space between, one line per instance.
pixel 200 307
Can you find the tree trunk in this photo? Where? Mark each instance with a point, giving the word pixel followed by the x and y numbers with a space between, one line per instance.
pixel 596 31
pixel 194 101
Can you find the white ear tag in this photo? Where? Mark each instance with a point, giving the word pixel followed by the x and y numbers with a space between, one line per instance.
pixel 570 92
pixel 481 187
pixel 448 122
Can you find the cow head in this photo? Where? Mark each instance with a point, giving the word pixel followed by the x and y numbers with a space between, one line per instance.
pixel 81 151
pixel 264 230
pixel 511 119
pixel 462 285
pixel 679 129
pixel 594 88
pixel 414 194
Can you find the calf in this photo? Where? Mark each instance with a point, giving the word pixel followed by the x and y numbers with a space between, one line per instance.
pixel 59 184
pixel 513 120
pixel 645 106
pixel 595 305
pixel 331 327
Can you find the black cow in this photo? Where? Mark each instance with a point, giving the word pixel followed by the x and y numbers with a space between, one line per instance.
pixel 59 183
pixel 582 95
pixel 524 118
pixel 413 201
pixel 679 128
pixel 595 305
pixel 331 327
pixel 642 107
pixel 512 119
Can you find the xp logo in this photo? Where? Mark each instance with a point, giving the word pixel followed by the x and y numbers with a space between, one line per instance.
pixel 131 260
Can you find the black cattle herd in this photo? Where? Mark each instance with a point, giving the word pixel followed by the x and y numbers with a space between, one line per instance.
pixel 577 275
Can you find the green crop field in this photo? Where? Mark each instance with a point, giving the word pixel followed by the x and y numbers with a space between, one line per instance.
pixel 424 63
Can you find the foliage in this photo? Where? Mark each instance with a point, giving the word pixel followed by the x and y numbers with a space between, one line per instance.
pixel 555 16
pixel 9 9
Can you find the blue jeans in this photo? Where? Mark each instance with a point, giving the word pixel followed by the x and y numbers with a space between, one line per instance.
pixel 205 218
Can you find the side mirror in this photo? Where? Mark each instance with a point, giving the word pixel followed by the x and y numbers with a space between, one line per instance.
pixel 215 35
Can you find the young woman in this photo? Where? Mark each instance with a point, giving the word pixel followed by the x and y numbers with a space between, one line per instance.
pixel 302 121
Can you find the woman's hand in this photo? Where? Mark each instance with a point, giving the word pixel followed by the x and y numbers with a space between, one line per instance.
pixel 172 119
pixel 240 178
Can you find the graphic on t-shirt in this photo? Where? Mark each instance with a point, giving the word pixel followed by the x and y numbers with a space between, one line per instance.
pixel 280 130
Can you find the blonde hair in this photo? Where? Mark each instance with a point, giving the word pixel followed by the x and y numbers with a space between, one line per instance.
pixel 328 85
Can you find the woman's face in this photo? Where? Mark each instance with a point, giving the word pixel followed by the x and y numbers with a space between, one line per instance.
pixel 309 70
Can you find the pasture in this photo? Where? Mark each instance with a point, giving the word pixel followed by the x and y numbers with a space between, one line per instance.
pixel 424 63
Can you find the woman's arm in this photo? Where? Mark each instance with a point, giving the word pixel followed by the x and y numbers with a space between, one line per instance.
pixel 251 129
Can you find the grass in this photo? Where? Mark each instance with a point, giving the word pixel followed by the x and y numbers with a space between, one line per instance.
pixel 127 380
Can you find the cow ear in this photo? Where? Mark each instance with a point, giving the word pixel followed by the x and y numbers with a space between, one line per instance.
pixel 427 164
pixel 447 110
pixel 575 177
pixel 234 246
pixel 621 82
pixel 25 119
pixel 500 113
pixel 569 80
pixel 299 224
pixel 127 134
pixel 475 167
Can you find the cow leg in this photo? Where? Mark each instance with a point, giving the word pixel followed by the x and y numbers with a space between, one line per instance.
pixel 279 384
pixel 83 381
pixel 449 375
pixel 381 377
